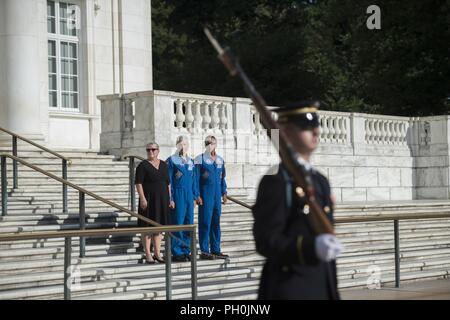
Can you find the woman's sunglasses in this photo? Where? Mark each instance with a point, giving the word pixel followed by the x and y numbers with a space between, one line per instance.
pixel 153 149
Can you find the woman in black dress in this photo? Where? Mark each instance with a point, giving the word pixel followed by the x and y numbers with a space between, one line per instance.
pixel 152 184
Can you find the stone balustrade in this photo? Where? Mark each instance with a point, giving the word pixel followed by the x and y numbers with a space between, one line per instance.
pixel 367 157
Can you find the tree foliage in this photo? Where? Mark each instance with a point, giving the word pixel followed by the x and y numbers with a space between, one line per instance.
pixel 296 49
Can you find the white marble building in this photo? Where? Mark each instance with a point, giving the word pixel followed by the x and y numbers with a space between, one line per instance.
pixel 78 75
pixel 56 57
pixel 367 157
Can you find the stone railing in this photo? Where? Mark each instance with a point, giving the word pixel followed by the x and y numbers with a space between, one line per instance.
pixel 367 156
pixel 335 127
pixel 386 130
pixel 196 114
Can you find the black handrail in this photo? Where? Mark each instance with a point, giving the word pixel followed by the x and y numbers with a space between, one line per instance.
pixel 389 217
pixel 65 162
pixel 131 168
pixel 68 234
pixel 82 193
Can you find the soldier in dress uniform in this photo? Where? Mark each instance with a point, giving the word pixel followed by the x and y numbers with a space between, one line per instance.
pixel 300 264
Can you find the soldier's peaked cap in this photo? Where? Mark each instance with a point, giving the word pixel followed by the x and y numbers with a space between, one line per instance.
pixel 303 113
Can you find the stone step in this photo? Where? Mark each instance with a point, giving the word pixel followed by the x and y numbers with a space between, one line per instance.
pixel 407 254
pixel 47 265
pixel 27 254
pixel 180 282
pixel 136 270
pixel 405 265
pixel 388 278
pixel 50 189
pixel 65 227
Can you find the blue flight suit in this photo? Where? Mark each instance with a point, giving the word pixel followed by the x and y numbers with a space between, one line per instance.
pixel 210 176
pixel 183 189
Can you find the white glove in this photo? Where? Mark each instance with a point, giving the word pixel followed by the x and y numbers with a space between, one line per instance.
pixel 328 247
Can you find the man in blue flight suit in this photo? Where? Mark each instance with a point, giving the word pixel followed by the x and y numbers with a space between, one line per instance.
pixel 183 189
pixel 210 174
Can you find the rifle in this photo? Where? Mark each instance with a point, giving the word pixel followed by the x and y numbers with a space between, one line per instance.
pixel 302 176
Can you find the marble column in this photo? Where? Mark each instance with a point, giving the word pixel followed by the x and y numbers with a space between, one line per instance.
pixel 19 68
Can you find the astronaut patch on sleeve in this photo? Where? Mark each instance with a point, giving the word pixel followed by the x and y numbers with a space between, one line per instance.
pixel 205 175
pixel 178 175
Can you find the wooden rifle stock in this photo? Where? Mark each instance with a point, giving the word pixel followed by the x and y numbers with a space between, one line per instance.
pixel 288 155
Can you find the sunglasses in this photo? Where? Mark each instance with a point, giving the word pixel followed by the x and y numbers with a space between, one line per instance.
pixel 153 149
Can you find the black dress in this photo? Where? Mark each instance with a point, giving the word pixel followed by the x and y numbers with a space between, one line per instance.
pixel 155 183
pixel 285 237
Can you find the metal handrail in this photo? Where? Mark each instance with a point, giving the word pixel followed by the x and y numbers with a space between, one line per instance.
pixel 76 187
pixel 129 156
pixel 91 232
pixel 36 145
pixel 65 161
pixel 131 168
pixel 390 217
pixel 82 192
pixel 239 202
pixel 68 234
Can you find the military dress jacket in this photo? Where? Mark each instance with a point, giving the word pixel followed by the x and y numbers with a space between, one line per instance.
pixel 283 235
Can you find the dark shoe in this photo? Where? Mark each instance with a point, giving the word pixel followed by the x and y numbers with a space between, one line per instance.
pixel 220 255
pixel 147 261
pixel 160 260
pixel 180 258
pixel 188 257
pixel 207 256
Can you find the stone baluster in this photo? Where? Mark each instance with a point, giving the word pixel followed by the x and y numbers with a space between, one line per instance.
pixel 179 116
pixel 223 117
pixel 390 134
pixel 369 127
pixel 325 130
pixel 383 133
pixel 376 134
pixel 206 116
pixel 366 131
pixel 342 129
pixel 395 132
pixel 348 130
pixel 189 117
pixel 401 132
pixel 404 130
pixel 215 116
pixel 374 131
pixel 337 130
pixel 371 131
pixel 332 129
pixel 198 117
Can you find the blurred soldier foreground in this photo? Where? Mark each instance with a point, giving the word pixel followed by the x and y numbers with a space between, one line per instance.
pixel 300 264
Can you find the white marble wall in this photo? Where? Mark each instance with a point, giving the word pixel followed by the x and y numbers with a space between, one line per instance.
pixel 21 108
pixel 366 157
pixel 115 57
